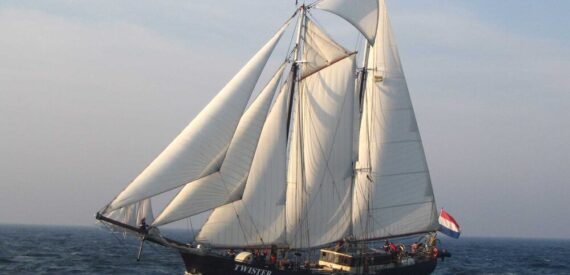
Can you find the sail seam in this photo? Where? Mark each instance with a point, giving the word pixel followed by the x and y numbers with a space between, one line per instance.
pixel 401 205
pixel 402 174
pixel 401 141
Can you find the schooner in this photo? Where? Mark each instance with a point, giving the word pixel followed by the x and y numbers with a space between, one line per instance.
pixel 324 162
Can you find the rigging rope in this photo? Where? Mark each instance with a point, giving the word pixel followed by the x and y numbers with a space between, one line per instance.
pixel 189 222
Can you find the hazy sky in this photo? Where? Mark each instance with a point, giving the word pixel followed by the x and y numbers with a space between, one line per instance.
pixel 92 91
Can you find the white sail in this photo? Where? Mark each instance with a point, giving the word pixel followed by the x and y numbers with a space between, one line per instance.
pixel 259 217
pixel 134 213
pixel 362 14
pixel 320 165
pixel 228 183
pixel 197 150
pixel 319 50
pixel 392 193
pixel 332 159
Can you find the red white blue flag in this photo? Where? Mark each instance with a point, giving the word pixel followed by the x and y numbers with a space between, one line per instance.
pixel 448 225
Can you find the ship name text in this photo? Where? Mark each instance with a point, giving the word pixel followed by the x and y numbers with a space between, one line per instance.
pixel 251 270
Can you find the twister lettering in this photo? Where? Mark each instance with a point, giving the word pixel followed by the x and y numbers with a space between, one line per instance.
pixel 251 270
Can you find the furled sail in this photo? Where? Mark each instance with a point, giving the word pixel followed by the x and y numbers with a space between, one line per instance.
pixel 227 184
pixel 258 219
pixel 320 158
pixel 392 193
pixel 133 214
pixel 362 14
pixel 200 146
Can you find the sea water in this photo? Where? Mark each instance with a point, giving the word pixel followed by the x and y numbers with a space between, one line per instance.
pixel 93 250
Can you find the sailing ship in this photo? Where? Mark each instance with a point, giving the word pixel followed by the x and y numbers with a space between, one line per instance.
pixel 325 161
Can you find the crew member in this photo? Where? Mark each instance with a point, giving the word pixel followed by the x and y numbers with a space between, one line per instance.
pixel 143 227
pixel 414 248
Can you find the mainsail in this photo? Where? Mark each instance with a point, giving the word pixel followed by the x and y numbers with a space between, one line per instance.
pixel 197 150
pixel 393 195
pixel 320 154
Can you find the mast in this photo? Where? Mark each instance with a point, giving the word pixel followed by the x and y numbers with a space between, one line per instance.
pixel 321 154
pixel 361 91
pixel 363 74
pixel 294 72
pixel 295 65
pixel 294 76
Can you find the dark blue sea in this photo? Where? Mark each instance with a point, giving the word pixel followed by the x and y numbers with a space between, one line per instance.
pixel 93 250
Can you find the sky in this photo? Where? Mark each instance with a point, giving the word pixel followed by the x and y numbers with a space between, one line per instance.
pixel 92 91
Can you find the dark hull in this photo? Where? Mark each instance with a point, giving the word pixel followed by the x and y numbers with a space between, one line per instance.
pixel 425 267
pixel 215 265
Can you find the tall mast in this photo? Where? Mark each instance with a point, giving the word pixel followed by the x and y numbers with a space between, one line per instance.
pixel 363 73
pixel 299 33
pixel 298 57
pixel 361 90
pixel 295 73
pixel 296 61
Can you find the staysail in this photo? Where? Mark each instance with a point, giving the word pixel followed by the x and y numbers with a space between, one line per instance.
pixel 320 154
pixel 227 184
pixel 257 219
pixel 196 151
pixel 393 195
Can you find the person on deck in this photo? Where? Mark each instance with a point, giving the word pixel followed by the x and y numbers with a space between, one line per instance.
pixel 393 248
pixel 273 259
pixel 414 248
pixel 339 246
pixel 143 227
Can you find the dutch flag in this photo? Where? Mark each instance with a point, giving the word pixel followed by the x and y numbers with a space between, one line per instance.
pixel 448 225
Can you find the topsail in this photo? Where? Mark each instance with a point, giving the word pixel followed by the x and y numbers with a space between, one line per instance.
pixel 320 154
pixel 363 14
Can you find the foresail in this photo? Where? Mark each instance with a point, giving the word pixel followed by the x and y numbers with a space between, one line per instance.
pixel 392 193
pixel 362 14
pixel 320 164
pixel 258 219
pixel 228 183
pixel 197 151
